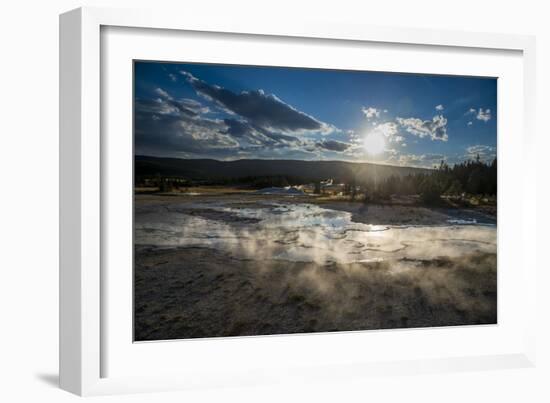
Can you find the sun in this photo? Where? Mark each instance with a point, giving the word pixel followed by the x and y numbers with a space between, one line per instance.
pixel 374 143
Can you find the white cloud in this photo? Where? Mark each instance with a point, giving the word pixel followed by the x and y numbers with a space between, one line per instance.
pixel 439 107
pixel 371 112
pixel 397 139
pixel 485 152
pixel 162 126
pixel 470 123
pixel 436 128
pixel 163 94
pixel 480 114
pixel 389 130
pixel 165 104
pixel 163 107
pixel 483 115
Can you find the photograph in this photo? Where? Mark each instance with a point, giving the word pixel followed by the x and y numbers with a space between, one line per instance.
pixel 276 200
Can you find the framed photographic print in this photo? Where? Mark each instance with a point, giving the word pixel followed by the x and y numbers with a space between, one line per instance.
pixel 277 200
pixel 236 200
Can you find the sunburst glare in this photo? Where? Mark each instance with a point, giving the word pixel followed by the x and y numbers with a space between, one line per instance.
pixel 374 143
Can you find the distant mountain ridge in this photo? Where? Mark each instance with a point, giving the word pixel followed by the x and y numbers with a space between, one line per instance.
pixel 212 170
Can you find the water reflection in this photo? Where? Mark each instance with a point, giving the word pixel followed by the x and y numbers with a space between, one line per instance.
pixel 303 233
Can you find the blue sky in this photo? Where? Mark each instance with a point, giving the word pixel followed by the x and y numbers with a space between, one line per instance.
pixel 235 112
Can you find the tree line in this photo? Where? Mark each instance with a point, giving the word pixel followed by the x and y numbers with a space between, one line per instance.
pixel 472 177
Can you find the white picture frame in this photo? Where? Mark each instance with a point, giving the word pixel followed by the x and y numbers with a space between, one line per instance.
pixel 83 171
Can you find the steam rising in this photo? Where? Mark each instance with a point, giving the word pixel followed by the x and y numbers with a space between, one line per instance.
pixel 303 233
pixel 234 267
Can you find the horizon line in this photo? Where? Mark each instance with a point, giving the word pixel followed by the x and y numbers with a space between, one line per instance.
pixel 287 159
